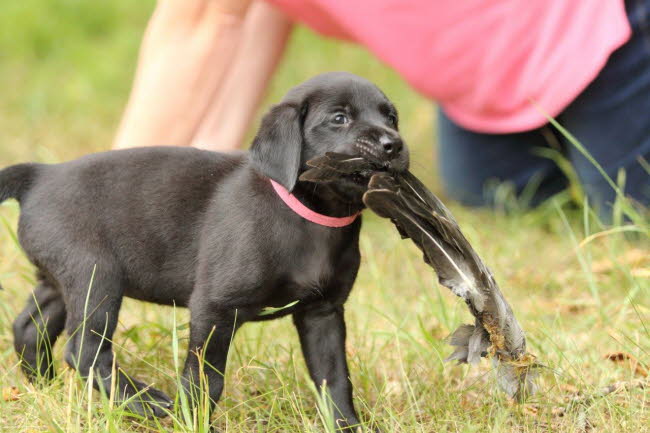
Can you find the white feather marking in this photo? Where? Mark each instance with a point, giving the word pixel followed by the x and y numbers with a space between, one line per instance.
pixel 470 284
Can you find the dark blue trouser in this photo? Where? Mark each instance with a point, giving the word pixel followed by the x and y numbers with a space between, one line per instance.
pixel 611 118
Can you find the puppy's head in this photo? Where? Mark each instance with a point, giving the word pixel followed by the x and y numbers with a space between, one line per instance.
pixel 332 112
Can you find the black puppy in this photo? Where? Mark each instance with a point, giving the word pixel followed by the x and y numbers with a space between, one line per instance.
pixel 207 231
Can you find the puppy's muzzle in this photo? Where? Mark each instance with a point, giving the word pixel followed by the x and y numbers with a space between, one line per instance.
pixel 390 146
pixel 386 150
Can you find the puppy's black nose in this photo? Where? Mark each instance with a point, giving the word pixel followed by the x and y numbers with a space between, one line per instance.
pixel 390 146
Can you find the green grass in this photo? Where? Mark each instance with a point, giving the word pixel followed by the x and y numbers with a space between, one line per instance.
pixel 579 290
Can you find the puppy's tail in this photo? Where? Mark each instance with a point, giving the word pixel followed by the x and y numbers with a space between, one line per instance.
pixel 15 180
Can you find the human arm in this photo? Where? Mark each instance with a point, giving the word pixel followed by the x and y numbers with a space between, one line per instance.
pixel 190 51
pixel 231 111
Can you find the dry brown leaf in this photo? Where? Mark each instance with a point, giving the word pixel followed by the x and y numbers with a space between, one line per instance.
pixel 469 400
pixel 569 389
pixel 530 410
pixel 558 411
pixel 632 257
pixel 10 393
pixel 575 308
pixel 627 359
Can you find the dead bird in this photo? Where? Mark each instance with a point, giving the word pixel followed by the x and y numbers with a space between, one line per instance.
pixel 419 215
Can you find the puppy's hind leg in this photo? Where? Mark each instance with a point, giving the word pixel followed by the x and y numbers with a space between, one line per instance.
pixel 36 329
pixel 92 319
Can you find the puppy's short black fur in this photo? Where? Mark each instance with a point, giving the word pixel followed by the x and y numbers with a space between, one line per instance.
pixel 206 231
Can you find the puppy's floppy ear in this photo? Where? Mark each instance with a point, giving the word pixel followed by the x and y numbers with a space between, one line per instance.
pixel 277 149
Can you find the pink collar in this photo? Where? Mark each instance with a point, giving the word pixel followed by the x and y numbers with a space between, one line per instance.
pixel 308 214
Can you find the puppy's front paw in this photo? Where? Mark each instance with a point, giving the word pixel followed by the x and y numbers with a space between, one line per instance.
pixel 343 425
pixel 145 400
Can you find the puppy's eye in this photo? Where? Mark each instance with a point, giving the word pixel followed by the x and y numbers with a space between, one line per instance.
pixel 392 119
pixel 340 119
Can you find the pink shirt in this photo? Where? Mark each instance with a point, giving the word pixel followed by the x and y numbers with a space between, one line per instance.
pixel 484 61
